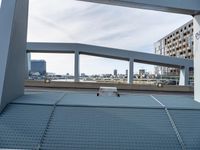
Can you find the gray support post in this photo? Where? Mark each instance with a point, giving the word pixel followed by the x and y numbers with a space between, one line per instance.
pixel 131 68
pixel 29 61
pixel 27 64
pixel 184 76
pixel 197 58
pixel 13 39
pixel 76 66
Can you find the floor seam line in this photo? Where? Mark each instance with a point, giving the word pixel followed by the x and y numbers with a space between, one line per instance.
pixel 49 121
pixel 157 101
pixel 180 140
pixel 175 130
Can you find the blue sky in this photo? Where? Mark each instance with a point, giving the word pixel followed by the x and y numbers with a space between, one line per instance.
pixel 97 24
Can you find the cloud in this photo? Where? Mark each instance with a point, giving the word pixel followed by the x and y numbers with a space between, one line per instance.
pixel 99 24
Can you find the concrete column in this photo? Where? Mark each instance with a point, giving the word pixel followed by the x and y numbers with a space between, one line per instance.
pixel 29 61
pixel 76 66
pixel 197 58
pixel 184 76
pixel 27 65
pixel 13 39
pixel 131 71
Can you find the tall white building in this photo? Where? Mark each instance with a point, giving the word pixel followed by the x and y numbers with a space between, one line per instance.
pixel 115 72
pixel 178 43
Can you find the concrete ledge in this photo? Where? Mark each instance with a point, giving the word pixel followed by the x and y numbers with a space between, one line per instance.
pixel 88 85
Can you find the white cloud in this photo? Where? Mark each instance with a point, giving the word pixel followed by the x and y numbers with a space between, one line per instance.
pixel 97 24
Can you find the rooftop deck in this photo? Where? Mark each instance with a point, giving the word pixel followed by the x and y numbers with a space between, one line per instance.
pixel 81 120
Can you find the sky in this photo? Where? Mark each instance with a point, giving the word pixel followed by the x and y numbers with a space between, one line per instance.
pixel 97 24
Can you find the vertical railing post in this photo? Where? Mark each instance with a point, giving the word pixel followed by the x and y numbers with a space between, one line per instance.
pixel 184 76
pixel 131 71
pixel 76 66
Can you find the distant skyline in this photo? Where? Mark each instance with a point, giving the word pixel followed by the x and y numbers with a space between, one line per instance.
pixel 97 24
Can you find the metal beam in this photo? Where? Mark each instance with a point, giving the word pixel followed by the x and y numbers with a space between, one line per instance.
pixel 112 53
pixel 13 37
pixel 13 25
pixel 190 7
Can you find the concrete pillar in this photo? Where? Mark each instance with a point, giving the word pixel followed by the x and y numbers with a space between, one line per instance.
pixel 131 71
pixel 184 76
pixel 29 61
pixel 76 66
pixel 13 39
pixel 27 65
pixel 197 58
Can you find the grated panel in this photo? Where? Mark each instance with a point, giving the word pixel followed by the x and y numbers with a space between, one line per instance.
pixel 188 124
pixel 45 98
pixel 78 128
pixel 178 101
pixel 113 101
pixel 21 126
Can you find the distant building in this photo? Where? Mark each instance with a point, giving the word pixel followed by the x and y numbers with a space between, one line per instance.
pixel 178 43
pixel 38 66
pixel 142 72
pixel 83 74
pixel 115 72
pixel 126 72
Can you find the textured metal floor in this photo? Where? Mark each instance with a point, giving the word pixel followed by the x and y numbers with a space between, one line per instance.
pixel 110 128
pixel 59 120
pixel 188 124
pixel 22 126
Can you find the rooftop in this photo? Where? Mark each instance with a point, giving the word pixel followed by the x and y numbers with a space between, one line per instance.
pixel 81 120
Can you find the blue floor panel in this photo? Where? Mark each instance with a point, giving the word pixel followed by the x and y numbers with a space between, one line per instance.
pixel 46 98
pixel 122 101
pixel 178 101
pixel 22 126
pixel 128 122
pixel 78 128
pixel 188 124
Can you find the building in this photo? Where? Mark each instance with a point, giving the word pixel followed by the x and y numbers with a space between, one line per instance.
pixel 178 43
pixel 115 72
pixel 126 72
pixel 142 72
pixel 83 75
pixel 38 66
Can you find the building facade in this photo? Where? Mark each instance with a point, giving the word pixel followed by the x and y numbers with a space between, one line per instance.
pixel 115 72
pixel 126 72
pixel 38 66
pixel 178 43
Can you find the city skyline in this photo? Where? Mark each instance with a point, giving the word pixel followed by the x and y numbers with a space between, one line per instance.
pixel 110 26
